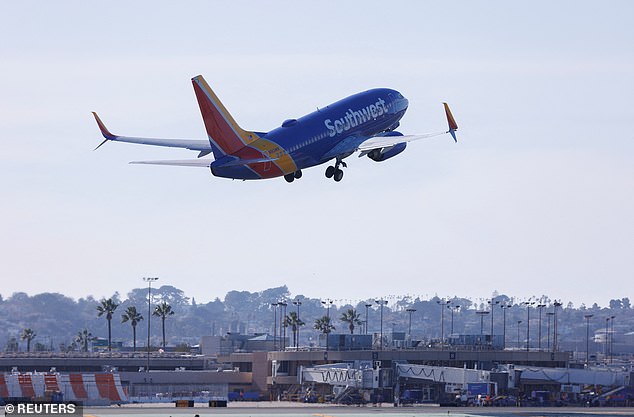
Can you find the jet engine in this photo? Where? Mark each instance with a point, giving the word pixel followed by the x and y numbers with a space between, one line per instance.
pixel 381 154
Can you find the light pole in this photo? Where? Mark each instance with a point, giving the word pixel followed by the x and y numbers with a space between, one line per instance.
pixel 149 281
pixel 410 311
pixel 283 304
pixel 528 324
pixel 453 308
pixel 504 307
pixel 492 303
pixel 549 314
pixel 611 337
pixel 518 334
pixel 274 325
pixel 381 302
pixel 555 305
pixel 327 303
pixel 588 317
pixel 481 314
pixel 442 303
pixel 367 306
pixel 606 343
pixel 539 341
pixel 297 303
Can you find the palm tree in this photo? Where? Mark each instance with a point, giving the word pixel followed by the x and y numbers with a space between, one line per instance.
pixel 291 320
pixel 351 317
pixel 134 317
pixel 107 307
pixel 324 325
pixel 28 335
pixel 163 310
pixel 83 337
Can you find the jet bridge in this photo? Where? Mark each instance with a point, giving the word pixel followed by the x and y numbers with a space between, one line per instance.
pixel 568 376
pixel 442 374
pixel 340 375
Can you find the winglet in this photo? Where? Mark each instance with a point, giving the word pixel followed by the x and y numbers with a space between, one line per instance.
pixel 453 126
pixel 104 131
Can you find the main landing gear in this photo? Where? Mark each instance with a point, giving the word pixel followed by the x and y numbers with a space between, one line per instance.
pixel 293 175
pixel 335 172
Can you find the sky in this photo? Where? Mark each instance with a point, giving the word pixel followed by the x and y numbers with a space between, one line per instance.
pixel 537 196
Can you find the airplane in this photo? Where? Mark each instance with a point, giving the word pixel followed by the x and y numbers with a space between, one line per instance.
pixel 365 122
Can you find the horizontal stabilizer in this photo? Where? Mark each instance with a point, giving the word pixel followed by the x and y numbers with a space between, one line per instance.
pixel 238 162
pixel 204 163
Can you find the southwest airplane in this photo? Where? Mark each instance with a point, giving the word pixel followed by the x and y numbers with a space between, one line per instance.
pixel 364 123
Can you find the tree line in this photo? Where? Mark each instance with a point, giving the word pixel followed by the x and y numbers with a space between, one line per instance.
pixel 56 322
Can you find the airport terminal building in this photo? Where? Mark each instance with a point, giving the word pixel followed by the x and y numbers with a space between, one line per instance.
pixel 345 369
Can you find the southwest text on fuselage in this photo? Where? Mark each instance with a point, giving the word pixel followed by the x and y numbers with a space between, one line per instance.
pixel 355 118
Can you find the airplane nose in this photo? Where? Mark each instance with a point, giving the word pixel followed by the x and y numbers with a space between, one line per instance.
pixel 401 104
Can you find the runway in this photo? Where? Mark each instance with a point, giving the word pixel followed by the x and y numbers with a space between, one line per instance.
pixel 302 410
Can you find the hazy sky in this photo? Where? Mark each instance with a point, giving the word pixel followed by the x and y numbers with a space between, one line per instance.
pixel 536 198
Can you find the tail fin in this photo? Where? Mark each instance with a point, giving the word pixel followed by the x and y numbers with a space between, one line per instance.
pixel 225 136
pixel 453 126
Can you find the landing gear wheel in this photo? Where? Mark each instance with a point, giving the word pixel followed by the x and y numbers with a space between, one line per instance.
pixel 330 171
pixel 298 174
pixel 338 175
pixel 289 177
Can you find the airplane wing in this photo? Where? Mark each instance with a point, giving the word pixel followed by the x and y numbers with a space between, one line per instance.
pixel 376 142
pixel 192 144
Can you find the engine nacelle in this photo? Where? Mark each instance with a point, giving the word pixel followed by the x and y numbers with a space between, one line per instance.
pixel 382 154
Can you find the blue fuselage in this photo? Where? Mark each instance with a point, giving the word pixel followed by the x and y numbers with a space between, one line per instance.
pixel 334 131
